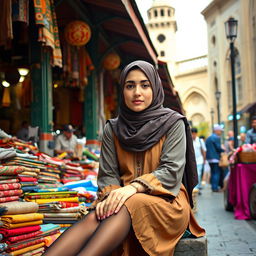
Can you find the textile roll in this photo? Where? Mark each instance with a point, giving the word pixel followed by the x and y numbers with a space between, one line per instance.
pixel 50 239
pixel 21 207
pixel 26 249
pixel 20 218
pixel 43 201
pixel 9 199
pixel 62 215
pixel 15 192
pixel 23 224
pixel 9 181
pixel 14 239
pixel 19 231
pixel 25 243
pixel 14 170
pixel 10 186
pixel 36 252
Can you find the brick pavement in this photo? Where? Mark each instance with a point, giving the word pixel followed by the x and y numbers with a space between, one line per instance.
pixel 226 235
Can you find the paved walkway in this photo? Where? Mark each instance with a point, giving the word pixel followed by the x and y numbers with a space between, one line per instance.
pixel 226 235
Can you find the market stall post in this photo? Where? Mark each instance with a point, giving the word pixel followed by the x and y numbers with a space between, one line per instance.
pixel 91 117
pixel 41 108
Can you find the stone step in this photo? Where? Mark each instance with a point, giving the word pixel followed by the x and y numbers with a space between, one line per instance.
pixel 191 247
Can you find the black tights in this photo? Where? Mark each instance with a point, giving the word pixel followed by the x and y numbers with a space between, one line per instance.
pixel 91 237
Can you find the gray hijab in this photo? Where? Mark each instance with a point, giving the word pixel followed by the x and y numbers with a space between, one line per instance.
pixel 139 131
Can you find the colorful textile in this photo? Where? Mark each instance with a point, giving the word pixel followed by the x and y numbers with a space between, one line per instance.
pixel 25 243
pixel 9 199
pixel 3 246
pixel 9 181
pixel 23 224
pixel 19 218
pixel 10 186
pixel 14 192
pixel 43 201
pixel 36 252
pixel 62 215
pixel 20 207
pixel 6 153
pixel 14 239
pixel 26 179
pixel 27 249
pixel 50 239
pixel 45 17
pixel 19 231
pixel 20 11
pixel 11 170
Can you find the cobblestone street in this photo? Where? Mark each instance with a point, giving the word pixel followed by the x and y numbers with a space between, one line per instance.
pixel 226 235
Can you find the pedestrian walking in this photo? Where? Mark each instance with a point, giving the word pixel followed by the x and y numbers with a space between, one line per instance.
pixel 213 151
pixel 251 134
pixel 146 177
pixel 200 154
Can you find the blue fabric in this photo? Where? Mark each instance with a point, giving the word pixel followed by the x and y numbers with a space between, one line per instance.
pixel 213 147
pixel 215 175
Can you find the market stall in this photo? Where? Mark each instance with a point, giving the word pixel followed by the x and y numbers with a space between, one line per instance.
pixel 241 182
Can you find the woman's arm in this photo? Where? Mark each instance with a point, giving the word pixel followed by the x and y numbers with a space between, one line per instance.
pixel 167 178
pixel 108 176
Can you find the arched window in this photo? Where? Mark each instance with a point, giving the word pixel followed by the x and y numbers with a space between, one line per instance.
pixel 162 12
pixel 169 12
pixel 155 13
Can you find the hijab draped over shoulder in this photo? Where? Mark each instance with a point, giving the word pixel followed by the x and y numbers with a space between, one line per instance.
pixel 139 131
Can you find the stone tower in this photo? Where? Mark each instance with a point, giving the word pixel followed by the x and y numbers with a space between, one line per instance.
pixel 162 29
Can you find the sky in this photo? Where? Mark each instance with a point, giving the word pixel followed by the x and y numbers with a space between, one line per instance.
pixel 191 26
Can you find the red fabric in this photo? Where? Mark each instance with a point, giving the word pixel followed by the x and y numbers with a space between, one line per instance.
pixel 9 199
pixel 14 239
pixel 26 179
pixel 18 231
pixel 25 243
pixel 242 177
pixel 68 204
pixel 10 186
pixel 15 192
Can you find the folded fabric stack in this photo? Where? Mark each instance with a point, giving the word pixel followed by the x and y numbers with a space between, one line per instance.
pixel 57 207
pixel 72 172
pixel 10 186
pixel 86 190
pixel 20 230
pixel 29 179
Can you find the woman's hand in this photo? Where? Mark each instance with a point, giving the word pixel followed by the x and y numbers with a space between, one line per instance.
pixel 114 201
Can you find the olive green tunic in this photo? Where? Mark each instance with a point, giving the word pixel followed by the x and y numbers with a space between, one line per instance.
pixel 162 214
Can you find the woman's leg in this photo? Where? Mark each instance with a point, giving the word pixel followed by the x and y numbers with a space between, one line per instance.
pixel 110 233
pixel 92 237
pixel 73 239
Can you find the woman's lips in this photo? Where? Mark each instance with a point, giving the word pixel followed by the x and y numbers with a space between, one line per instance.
pixel 137 102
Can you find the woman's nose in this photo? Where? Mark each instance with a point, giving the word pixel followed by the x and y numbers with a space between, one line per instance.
pixel 137 90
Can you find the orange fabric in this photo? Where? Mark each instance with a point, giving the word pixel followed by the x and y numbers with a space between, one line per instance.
pixel 18 218
pixel 26 249
pixel 23 224
pixel 158 221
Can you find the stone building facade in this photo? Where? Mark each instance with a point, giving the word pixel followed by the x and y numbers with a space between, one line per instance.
pixel 190 76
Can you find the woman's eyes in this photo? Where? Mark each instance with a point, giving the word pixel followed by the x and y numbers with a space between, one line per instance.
pixel 131 86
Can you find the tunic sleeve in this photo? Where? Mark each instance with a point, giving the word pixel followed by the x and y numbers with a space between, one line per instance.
pixel 166 179
pixel 108 177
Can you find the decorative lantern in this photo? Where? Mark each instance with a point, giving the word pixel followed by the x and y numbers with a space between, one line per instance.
pixel 77 33
pixel 111 61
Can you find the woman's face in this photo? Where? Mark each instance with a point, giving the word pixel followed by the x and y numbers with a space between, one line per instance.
pixel 138 93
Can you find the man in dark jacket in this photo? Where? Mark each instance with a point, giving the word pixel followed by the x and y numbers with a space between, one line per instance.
pixel 213 151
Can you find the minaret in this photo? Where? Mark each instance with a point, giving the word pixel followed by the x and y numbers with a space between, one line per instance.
pixel 162 29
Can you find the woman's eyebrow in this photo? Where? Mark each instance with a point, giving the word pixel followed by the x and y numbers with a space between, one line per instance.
pixel 133 82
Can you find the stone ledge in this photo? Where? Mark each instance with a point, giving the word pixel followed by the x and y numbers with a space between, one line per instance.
pixel 191 247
